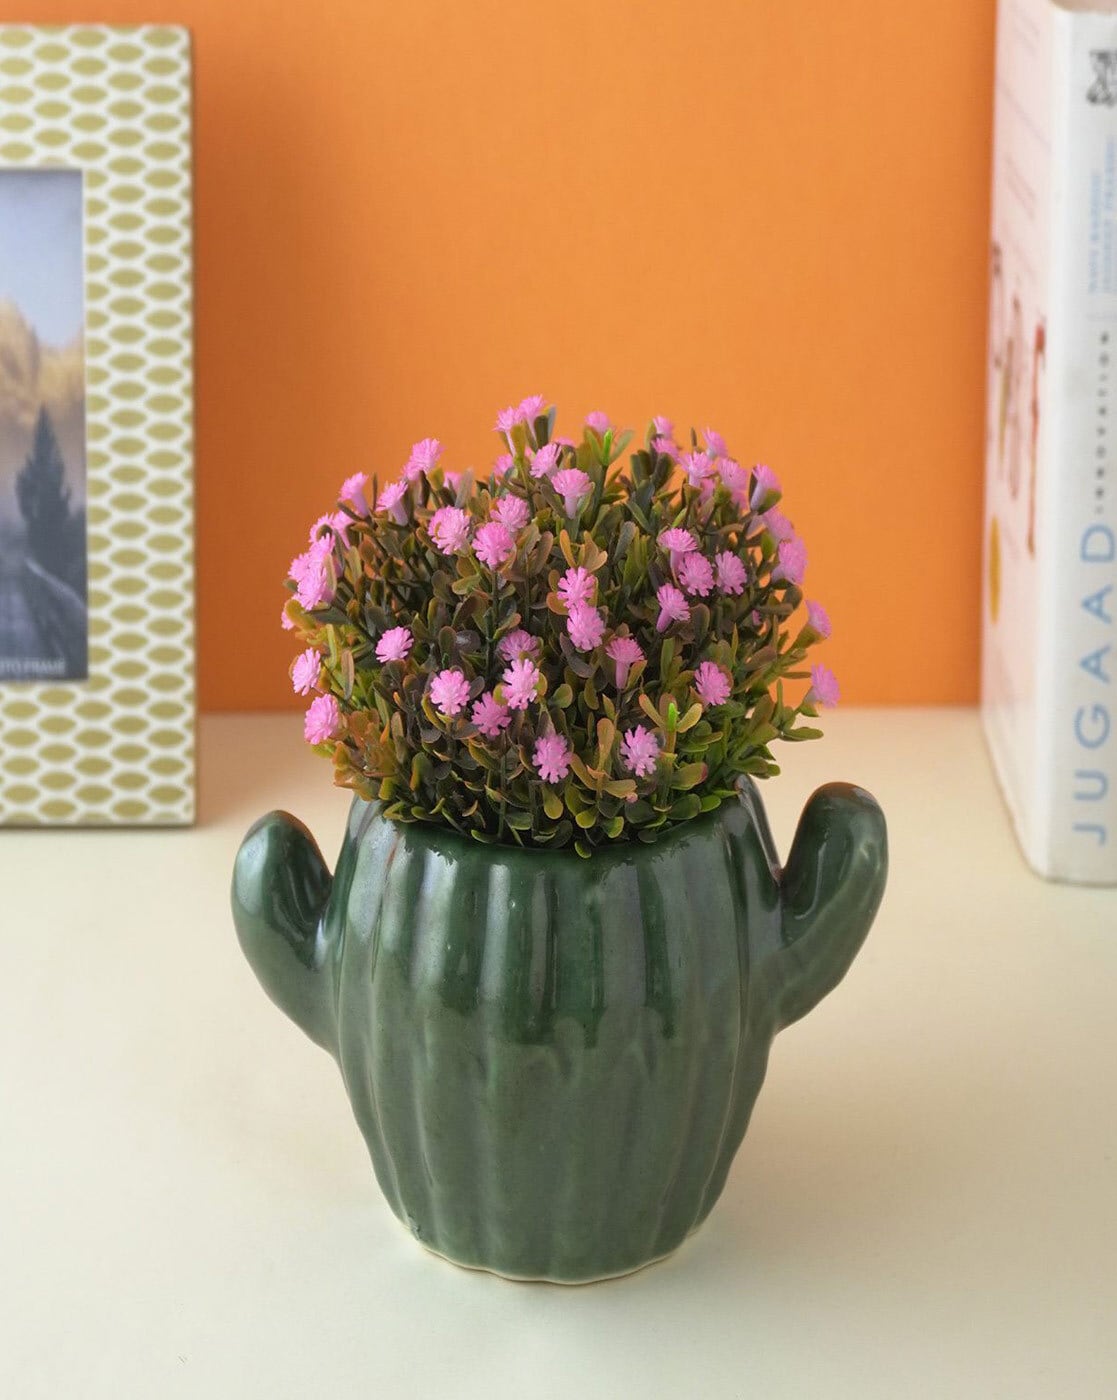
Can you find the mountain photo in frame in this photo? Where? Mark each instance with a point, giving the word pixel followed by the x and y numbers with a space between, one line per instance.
pixel 97 690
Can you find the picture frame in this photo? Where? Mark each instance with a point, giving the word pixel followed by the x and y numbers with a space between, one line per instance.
pixel 97 674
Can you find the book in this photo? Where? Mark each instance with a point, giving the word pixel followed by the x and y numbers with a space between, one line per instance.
pixel 1049 656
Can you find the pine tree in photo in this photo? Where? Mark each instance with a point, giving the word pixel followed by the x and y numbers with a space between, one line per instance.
pixel 44 499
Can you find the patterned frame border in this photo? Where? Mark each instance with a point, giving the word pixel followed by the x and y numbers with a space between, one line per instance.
pixel 118 748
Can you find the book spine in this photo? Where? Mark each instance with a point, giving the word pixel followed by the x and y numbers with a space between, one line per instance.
pixel 1077 663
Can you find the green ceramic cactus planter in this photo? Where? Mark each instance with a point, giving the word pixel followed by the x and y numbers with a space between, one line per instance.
pixel 553 1060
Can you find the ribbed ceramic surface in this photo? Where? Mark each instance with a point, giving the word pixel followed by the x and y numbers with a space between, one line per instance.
pixel 553 1061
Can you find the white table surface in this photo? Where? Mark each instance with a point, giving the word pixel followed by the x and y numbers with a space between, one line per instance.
pixel 925 1204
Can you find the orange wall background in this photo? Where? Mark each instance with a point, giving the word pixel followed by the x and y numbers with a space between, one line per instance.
pixel 766 216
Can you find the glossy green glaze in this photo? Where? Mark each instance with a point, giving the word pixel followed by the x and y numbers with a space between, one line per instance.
pixel 553 1060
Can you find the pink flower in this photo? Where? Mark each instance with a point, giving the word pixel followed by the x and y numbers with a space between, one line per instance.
pixel 394 645
pixel 573 485
pixel 818 620
pixel 732 575
pixel 667 447
pixel 715 444
pixel 577 586
pixel 493 544
pixel 507 419
pixel 352 493
pixel 824 687
pixel 663 427
pixel 322 720
pixel 517 644
pixel 489 715
pixel 521 682
pixel 284 621
pixel 599 422
pixel 712 684
pixel 545 460
pixel 673 607
pixel 425 456
pixel 503 465
pixel 449 529
pixel 585 626
pixel 449 692
pixel 735 479
pixel 696 575
pixel 765 487
pixel 625 652
pixel 697 467
pixel 393 499
pixel 531 408
pixel 314 576
pixel 640 750
pixel 305 671
pixel 778 525
pixel 513 512
pixel 552 758
pixel 337 522
pixel 792 565
pixel 678 542
pixel 452 479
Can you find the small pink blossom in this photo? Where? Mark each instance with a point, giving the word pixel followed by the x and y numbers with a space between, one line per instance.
pixel 513 512
pixel 503 465
pixel 677 542
pixel 393 499
pixel 573 485
pixel 425 456
pixel 673 607
pixel 449 692
pixel 732 574
pixel 322 720
pixel 599 422
pixel 352 493
pixel 696 575
pixel 735 480
pixel 765 487
pixel 712 684
pixel 493 544
pixel 551 757
pixel 577 586
pixel 715 444
pixel 452 479
pixel 507 419
pixel 394 645
pixel 284 621
pixel 314 576
pixel 792 561
pixel 640 751
pixel 697 466
pixel 305 671
pixel 585 626
pixel 521 682
pixel 518 644
pixel 667 447
pixel 489 715
pixel 824 687
pixel 777 525
pixel 531 408
pixel 449 529
pixel 337 522
pixel 625 652
pixel 663 427
pixel 818 619
pixel 545 460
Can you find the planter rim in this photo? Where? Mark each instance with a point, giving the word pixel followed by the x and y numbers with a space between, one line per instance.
pixel 453 845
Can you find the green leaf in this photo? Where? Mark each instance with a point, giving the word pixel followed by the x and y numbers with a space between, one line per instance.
pixel 552 804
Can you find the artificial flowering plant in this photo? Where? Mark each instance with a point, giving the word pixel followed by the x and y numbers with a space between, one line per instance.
pixel 561 651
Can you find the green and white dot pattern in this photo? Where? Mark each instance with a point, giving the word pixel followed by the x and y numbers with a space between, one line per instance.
pixel 118 747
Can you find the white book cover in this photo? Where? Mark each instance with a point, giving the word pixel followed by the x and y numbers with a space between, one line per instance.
pixel 1049 663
